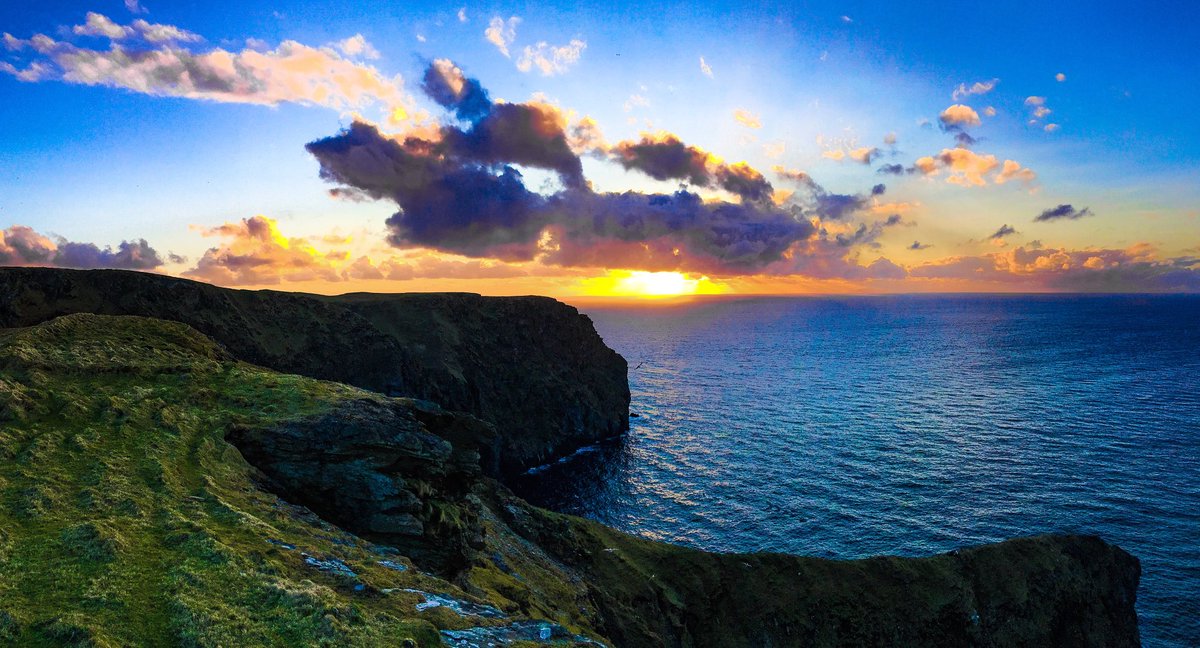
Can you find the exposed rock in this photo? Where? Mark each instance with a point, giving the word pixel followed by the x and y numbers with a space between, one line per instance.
pixel 1052 590
pixel 533 367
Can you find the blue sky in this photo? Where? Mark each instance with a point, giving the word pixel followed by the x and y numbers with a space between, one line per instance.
pixel 103 164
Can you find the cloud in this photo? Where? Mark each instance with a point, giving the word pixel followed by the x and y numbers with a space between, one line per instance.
pixel 156 33
pixel 1005 230
pixel 458 191
pixel 823 204
pixel 1134 269
pixel 891 169
pixel 254 252
pixel 664 156
pixel 959 116
pixel 1062 212
pixel 1035 100
pixel 357 45
pixel 746 118
pixel 978 88
pixel 22 246
pixel 551 60
pixel 1050 128
pixel 1060 77
pixel 446 84
pixel 917 245
pixel 705 68
pixel 1011 170
pixel 100 25
pixel 133 6
pixel 292 72
pixel 635 101
pixel 864 155
pixel 502 33
pixel 462 15
pixel 990 111
pixel 965 167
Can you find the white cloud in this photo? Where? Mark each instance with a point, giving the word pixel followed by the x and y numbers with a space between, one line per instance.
pixel 978 88
pixel 156 33
pixel 462 15
pixel 1060 77
pixel 357 45
pixel 502 33
pixel 100 25
pixel 705 68
pixel 292 72
pixel 551 60
pixel 135 7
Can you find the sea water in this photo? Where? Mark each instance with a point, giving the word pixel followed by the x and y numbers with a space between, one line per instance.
pixel 908 425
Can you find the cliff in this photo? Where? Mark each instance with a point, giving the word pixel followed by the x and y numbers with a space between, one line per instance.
pixel 533 367
pixel 158 491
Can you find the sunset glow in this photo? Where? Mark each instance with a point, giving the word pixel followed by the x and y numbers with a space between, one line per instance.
pixel 637 283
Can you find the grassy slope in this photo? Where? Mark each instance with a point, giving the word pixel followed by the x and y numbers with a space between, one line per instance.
pixel 126 519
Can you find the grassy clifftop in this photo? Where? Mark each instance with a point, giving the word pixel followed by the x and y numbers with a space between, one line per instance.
pixel 532 366
pixel 127 517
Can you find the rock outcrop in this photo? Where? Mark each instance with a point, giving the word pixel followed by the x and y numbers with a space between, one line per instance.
pixel 1049 590
pixel 532 366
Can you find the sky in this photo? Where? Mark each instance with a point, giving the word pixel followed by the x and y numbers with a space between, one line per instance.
pixel 649 149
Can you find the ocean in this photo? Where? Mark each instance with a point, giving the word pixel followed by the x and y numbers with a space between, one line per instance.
pixel 847 427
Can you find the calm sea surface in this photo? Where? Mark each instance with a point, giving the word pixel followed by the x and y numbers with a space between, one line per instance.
pixel 848 427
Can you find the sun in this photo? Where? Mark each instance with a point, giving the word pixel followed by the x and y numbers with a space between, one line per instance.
pixel 640 283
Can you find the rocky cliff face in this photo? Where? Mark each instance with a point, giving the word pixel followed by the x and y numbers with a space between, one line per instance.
pixel 1044 591
pixel 533 367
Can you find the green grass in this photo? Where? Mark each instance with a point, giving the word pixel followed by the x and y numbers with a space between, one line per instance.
pixel 126 519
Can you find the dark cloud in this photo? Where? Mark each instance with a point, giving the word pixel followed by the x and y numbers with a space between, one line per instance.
pixel 478 209
pixel 666 157
pixel 894 219
pixel 824 204
pixel 1062 212
pixel 460 190
pixel 917 245
pixel 891 169
pixel 1005 230
pixel 22 246
pixel 964 139
pixel 445 83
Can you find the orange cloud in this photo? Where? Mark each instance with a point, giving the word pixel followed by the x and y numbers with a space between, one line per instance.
pixel 256 253
pixel 746 118
pixel 959 116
